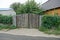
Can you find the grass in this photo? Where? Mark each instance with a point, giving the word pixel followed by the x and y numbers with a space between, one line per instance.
pixel 7 27
pixel 50 31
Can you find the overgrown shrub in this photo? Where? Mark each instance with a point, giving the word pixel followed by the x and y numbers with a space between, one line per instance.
pixel 12 27
pixel 28 7
pixel 51 21
pixel 7 27
pixel 50 31
pixel 5 19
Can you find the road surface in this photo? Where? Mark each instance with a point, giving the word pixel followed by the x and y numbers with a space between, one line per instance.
pixel 4 36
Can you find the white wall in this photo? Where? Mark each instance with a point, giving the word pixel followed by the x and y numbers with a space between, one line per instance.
pixel 7 12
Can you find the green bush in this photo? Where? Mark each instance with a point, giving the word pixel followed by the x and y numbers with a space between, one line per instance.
pixel 5 19
pixel 12 27
pixel 7 27
pixel 50 24
pixel 50 31
pixel 51 21
pixel 28 7
pixel 42 29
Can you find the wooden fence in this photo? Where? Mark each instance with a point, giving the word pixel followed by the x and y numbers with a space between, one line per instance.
pixel 27 20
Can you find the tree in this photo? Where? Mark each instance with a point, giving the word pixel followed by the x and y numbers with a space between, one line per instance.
pixel 15 6
pixel 32 7
pixel 18 8
pixel 29 7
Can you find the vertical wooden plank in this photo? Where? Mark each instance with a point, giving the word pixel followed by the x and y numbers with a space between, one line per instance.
pixel 27 20
pixel 33 21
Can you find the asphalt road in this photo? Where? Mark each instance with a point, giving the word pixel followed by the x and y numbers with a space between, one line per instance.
pixel 17 37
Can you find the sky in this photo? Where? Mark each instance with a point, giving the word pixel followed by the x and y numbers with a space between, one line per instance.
pixel 7 3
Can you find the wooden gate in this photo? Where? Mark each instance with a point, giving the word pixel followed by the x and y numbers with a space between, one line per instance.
pixel 27 20
pixel 33 20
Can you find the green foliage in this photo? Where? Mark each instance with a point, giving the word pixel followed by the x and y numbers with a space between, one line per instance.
pixel 5 19
pixel 43 29
pixel 28 7
pixel 51 21
pixel 16 7
pixel 12 27
pixel 50 24
pixel 50 31
pixel 32 7
pixel 3 27
pixel 7 27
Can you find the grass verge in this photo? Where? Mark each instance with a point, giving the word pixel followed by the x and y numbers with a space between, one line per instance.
pixel 7 27
pixel 50 31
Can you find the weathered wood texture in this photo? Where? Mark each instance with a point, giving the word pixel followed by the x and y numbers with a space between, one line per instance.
pixel 22 20
pixel 27 20
pixel 33 20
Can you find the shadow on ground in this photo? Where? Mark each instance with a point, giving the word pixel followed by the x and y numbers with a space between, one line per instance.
pixel 4 36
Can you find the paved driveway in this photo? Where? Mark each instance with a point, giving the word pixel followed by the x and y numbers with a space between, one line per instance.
pixel 17 37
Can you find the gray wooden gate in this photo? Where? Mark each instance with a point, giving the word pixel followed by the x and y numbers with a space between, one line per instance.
pixel 27 20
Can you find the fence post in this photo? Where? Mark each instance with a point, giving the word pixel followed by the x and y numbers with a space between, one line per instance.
pixel 40 20
pixel 14 20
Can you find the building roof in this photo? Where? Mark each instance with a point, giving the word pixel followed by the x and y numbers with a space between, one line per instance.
pixel 50 4
pixel 5 9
